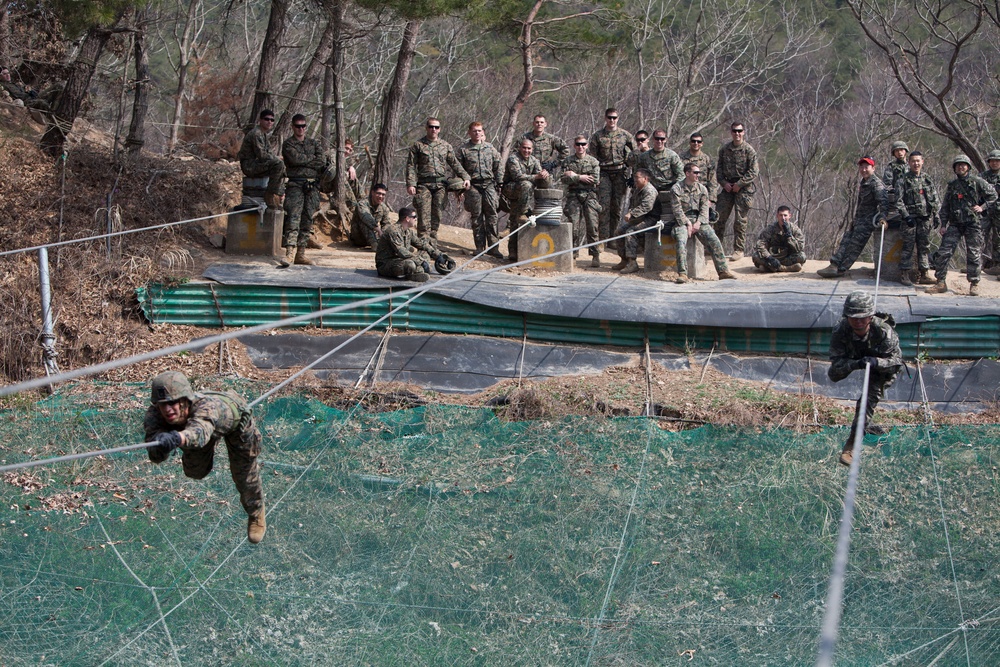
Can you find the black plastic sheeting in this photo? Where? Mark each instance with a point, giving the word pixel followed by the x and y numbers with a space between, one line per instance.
pixel 787 302
pixel 469 364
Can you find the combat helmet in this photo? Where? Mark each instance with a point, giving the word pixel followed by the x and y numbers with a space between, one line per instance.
pixel 444 264
pixel 962 157
pixel 859 304
pixel 994 154
pixel 896 145
pixel 170 386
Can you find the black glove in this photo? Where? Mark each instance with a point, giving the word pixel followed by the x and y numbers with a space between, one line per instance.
pixel 773 263
pixel 440 257
pixel 910 222
pixel 937 221
pixel 549 165
pixel 862 362
pixel 713 215
pixel 168 440
pixel 630 182
pixel 426 266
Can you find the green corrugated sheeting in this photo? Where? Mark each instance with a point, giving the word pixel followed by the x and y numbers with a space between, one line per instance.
pixel 214 305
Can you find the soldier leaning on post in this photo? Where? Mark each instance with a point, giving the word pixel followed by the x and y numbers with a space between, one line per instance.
pixel 780 245
pixel 370 217
pixel 870 210
pixel 257 159
pixel 304 163
pixel 521 175
pixel 965 201
pixel 612 146
pixel 917 204
pixel 427 166
pixel 864 338
pixel 482 161
pixel 991 230
pixel 644 212
pixel 689 206
pixel 196 422
pixel 581 176
pixel 736 172
pixel 548 148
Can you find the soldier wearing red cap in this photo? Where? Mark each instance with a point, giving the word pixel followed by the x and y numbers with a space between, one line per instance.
pixel 872 209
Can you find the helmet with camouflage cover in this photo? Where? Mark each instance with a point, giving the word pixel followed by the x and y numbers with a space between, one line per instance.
pixel 896 145
pixel 994 154
pixel 959 159
pixel 859 304
pixel 169 387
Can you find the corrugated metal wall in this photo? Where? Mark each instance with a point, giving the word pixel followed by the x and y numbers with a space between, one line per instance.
pixel 214 305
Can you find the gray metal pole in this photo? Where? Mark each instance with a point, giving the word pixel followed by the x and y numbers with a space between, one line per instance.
pixel 48 337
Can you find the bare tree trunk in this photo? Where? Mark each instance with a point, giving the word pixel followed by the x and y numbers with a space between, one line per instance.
pixel 184 59
pixel 525 44
pixel 276 25
pixel 77 84
pixel 392 104
pixel 5 37
pixel 309 82
pixel 337 71
pixel 326 119
pixel 140 104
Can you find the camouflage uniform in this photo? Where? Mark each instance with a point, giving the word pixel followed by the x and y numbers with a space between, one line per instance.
pixel 689 204
pixel 257 159
pixel 644 210
pixel 847 350
pixel 482 200
pixel 893 172
pixel 580 206
pixel 785 245
pixel 991 226
pixel 736 165
pixel 611 148
pixel 917 204
pixel 959 221
pixel 401 253
pixel 215 416
pixel 519 189
pixel 366 224
pixel 304 162
pixel 551 152
pixel 707 165
pixel 665 166
pixel 427 166
pixel 872 202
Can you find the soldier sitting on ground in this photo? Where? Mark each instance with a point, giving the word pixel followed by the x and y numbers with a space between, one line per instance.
pixel 371 216
pixel 196 422
pixel 864 338
pixel 257 159
pixel 402 253
pixel 779 246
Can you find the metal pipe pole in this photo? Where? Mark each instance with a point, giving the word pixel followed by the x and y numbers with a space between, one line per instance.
pixel 48 337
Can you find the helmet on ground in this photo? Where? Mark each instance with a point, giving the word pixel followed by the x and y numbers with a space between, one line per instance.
pixel 444 264
pixel 859 304
pixel 896 145
pixel 171 386
pixel 960 159
pixel 994 154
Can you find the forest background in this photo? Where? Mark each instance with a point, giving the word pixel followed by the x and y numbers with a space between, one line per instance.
pixel 817 82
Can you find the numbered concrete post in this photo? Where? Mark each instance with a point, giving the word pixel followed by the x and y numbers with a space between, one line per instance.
pixel 541 241
pixel 251 232
pixel 664 257
pixel 892 250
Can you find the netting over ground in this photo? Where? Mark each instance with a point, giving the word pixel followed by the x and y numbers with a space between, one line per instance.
pixel 444 536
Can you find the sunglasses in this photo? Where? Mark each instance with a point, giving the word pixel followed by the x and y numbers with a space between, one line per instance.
pixel 739 131
pixel 695 172
pixel 612 117
pixel 581 143
pixel 697 141
pixel 433 127
pixel 412 217
pixel 299 127
pixel 659 138
pixel 269 119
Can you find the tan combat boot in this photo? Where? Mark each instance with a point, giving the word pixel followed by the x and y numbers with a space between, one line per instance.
pixel 682 278
pixel 831 271
pixel 792 268
pixel 727 275
pixel 300 257
pixel 847 455
pixel 940 287
pixel 631 266
pixel 620 265
pixel 904 279
pixel 288 259
pixel 256 526
pixel 925 279
pixel 595 262
pixel 974 289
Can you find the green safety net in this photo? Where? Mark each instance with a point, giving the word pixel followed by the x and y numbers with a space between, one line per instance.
pixel 443 535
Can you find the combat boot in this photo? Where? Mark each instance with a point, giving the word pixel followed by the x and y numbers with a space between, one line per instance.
pixel 924 279
pixel 494 252
pixel 681 279
pixel 847 454
pixel 727 275
pixel 940 287
pixel 631 266
pixel 288 259
pixel 420 277
pixel 300 257
pixel 974 289
pixel 904 279
pixel 792 268
pixel 832 271
pixel 595 262
pixel 620 265
pixel 256 526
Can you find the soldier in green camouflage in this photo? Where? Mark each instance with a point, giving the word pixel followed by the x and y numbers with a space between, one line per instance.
pixel 581 177
pixel 860 339
pixel 612 147
pixel 688 216
pixel 780 245
pixel 736 172
pixel 896 167
pixel 402 252
pixel 665 165
pixel 871 209
pixel 257 159
pixel 917 205
pixel 521 175
pixel 991 231
pixel 427 165
pixel 967 198
pixel 196 422
pixel 549 149
pixel 371 216
pixel 482 162
pixel 643 213
pixel 695 154
pixel 304 163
